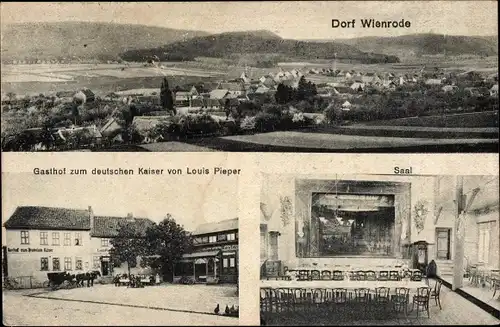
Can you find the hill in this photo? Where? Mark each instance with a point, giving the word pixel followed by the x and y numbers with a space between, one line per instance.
pixel 233 44
pixel 85 40
pixel 427 44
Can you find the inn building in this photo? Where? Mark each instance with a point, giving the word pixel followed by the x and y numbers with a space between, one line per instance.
pixel 375 220
pixel 215 255
pixel 45 239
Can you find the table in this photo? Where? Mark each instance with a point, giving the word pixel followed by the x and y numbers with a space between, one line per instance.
pixel 347 284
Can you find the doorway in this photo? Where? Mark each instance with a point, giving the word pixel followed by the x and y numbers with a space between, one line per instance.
pixel 443 237
pixel 200 270
pixel 105 268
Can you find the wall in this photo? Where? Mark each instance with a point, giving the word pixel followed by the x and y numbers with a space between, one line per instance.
pixel 29 263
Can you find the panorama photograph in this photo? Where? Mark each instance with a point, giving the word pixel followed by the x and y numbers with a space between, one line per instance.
pixel 366 250
pixel 250 76
pixel 92 253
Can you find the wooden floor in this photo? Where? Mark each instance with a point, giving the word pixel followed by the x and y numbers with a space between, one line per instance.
pixel 456 311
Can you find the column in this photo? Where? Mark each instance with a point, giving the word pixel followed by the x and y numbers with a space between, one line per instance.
pixel 458 244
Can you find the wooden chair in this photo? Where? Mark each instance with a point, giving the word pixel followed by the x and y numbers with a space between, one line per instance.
pixel 496 286
pixel 301 300
pixel 315 275
pixel 421 300
pixel 360 275
pixel 394 275
pixel 266 300
pixel 303 274
pixel 284 299
pixel 382 298
pixel 318 302
pixel 435 293
pixel 326 275
pixel 370 275
pixel 337 275
pixel 400 299
pixel 383 275
pixel 337 297
pixel 416 276
pixel 362 296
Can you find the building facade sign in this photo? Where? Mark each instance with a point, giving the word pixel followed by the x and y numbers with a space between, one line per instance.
pixel 29 250
pixel 229 247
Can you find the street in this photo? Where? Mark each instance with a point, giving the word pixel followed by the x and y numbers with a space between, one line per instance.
pixel 109 305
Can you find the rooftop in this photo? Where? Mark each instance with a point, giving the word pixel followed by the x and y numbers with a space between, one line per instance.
pixel 215 227
pixel 49 218
pixel 105 226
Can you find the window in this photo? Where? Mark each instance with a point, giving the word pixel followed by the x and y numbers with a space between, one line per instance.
pixel 67 263
pixel 232 262
pixel 44 264
pixel 104 242
pixel 78 263
pixel 44 238
pixel 225 263
pixel 221 237
pixel 96 262
pixel 78 238
pixel 25 237
pixel 231 237
pixel 212 239
pixel 67 239
pixel 56 264
pixel 484 242
pixel 55 238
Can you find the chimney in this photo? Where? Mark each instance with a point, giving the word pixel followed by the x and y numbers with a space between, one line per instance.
pixel 91 216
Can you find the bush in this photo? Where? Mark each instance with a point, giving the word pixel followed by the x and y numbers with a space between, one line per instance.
pixel 229 128
pixel 265 122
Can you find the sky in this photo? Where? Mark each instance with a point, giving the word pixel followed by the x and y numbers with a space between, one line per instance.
pixel 190 200
pixel 295 20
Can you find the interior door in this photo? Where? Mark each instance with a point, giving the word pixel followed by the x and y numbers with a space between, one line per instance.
pixel 443 243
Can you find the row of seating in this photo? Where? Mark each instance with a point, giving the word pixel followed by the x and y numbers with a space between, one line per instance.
pixel 308 300
pixel 356 275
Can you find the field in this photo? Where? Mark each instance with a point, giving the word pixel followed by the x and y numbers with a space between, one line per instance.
pixel 466 120
pixel 101 78
pixel 105 78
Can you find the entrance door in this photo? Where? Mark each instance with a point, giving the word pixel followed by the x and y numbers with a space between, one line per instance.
pixel 105 268
pixel 200 270
pixel 443 236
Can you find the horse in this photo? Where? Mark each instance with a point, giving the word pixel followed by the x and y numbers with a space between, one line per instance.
pixel 88 276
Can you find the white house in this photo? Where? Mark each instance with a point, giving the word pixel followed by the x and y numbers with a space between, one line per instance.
pixel 40 240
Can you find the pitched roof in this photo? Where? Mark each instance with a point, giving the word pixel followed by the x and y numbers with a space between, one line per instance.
pixel 143 123
pixel 218 94
pixel 220 226
pixel 33 217
pixel 106 226
pixel 231 86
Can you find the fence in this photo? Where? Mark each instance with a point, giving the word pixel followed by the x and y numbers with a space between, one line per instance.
pixel 17 283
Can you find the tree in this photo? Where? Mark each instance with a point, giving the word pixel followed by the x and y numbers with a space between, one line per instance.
pixel 128 245
pixel 166 98
pixel 284 94
pixel 167 241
